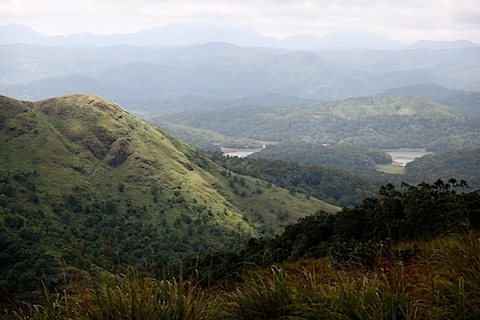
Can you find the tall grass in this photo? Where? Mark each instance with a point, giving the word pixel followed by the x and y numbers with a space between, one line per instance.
pixel 126 297
pixel 441 281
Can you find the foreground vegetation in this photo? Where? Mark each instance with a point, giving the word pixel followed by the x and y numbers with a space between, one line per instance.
pixel 409 253
pixel 440 281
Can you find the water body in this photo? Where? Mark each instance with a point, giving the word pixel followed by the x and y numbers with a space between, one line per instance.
pixel 404 156
pixel 241 153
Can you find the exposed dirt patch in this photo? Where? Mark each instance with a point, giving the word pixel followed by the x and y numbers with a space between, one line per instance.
pixel 119 152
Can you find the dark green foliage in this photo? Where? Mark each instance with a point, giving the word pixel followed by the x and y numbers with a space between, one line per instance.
pixel 308 237
pixel 355 253
pixel 410 212
pixel 334 186
pixel 360 235
pixel 463 164
pixel 121 187
pixel 13 221
pixel 346 157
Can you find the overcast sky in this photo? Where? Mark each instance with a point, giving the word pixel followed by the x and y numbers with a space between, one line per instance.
pixel 403 20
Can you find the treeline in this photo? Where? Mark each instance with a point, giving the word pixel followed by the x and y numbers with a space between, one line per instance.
pixel 355 234
pixel 463 164
pixel 330 185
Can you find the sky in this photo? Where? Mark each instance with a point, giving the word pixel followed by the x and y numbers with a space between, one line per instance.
pixel 401 20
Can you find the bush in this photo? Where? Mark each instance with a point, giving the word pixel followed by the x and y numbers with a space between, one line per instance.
pixel 355 253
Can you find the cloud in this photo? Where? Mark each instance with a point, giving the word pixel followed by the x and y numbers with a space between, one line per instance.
pixel 402 20
pixel 467 18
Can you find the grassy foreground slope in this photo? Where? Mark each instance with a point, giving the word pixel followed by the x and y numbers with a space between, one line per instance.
pixel 84 182
pixel 440 282
pixel 409 253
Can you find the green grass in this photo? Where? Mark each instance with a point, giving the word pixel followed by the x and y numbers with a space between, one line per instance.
pixel 68 140
pixel 390 168
pixel 440 282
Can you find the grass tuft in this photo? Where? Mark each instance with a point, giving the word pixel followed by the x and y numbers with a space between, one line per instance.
pixel 126 297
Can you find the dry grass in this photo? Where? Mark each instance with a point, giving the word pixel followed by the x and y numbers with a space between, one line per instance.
pixel 442 281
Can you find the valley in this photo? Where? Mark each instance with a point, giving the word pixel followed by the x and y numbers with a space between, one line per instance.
pixel 218 180
pixel 400 157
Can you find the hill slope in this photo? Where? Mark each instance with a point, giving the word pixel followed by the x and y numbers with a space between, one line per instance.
pixel 84 182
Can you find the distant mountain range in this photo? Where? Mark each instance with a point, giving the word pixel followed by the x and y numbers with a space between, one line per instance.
pixel 187 67
pixel 138 76
pixel 190 34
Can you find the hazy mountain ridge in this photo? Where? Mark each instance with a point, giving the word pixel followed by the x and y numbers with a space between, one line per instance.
pixel 189 34
pixel 429 44
pixel 208 61
pixel 124 74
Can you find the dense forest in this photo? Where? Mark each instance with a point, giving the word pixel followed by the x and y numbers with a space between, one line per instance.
pixel 349 158
pixel 464 164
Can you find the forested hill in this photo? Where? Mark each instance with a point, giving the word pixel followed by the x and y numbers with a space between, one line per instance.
pixel 379 122
pixel 83 182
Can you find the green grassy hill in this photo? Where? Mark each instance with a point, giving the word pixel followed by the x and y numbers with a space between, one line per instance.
pixel 83 182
